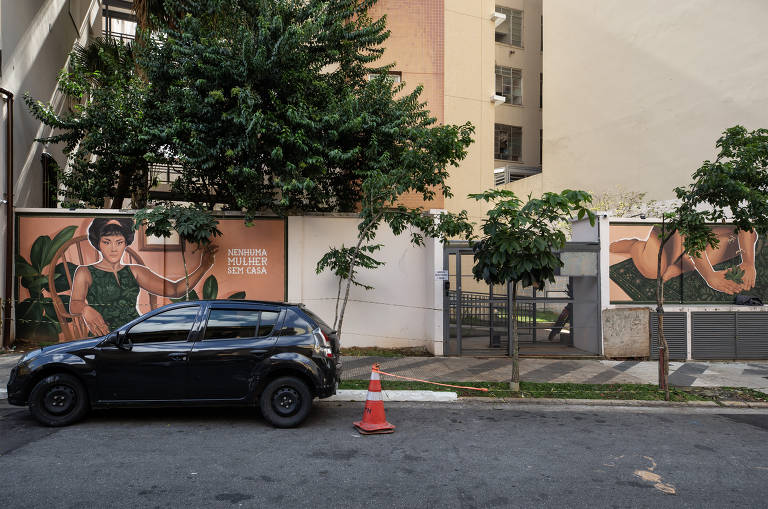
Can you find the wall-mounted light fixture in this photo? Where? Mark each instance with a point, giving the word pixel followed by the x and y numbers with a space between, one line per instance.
pixel 498 18
pixel 498 99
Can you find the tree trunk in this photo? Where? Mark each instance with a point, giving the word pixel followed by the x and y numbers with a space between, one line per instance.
pixel 186 272
pixel 338 298
pixel 515 383
pixel 663 347
pixel 360 238
pixel 349 284
pixel 141 193
pixel 121 191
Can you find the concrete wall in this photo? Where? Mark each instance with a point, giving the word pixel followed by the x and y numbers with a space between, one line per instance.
pixel 626 332
pixel 637 93
pixel 404 309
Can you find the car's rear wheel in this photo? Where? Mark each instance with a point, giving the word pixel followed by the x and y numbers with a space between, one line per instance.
pixel 285 402
pixel 58 400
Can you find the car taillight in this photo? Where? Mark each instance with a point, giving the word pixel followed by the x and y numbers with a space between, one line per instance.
pixel 322 344
pixel 328 344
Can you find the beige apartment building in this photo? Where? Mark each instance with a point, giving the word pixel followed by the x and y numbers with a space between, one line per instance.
pixel 479 61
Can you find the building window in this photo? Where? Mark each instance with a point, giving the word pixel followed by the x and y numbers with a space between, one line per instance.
pixel 395 76
pixel 507 142
pixel 509 83
pixel 541 90
pixel 541 146
pixel 511 30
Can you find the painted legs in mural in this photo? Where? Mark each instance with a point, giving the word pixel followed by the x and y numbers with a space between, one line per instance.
pixel 644 254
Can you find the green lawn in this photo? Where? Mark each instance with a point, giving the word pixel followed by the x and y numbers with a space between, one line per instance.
pixel 575 391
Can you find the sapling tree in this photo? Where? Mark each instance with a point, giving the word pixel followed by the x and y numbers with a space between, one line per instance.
pixel 339 261
pixel 734 189
pixel 193 224
pixel 520 243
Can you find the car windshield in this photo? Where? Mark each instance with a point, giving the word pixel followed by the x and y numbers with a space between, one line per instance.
pixel 319 321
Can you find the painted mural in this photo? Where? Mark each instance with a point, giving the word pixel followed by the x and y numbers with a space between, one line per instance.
pixel 739 266
pixel 80 276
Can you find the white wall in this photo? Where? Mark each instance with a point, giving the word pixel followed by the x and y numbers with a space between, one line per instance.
pixel 637 92
pixel 400 312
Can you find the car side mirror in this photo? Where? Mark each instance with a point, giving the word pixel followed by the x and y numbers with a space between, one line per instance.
pixel 122 341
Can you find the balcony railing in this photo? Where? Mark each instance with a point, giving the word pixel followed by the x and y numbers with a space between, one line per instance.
pixel 512 172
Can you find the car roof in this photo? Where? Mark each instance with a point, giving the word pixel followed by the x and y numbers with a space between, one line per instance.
pixel 249 301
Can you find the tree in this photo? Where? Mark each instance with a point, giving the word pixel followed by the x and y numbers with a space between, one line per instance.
pixel 251 99
pixel 193 224
pixel 403 151
pixel 520 243
pixel 733 188
pixel 339 261
pixel 104 136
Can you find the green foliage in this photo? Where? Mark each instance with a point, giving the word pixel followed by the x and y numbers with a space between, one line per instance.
pixel 35 315
pixel 104 136
pixel 735 274
pixel 519 240
pixel 339 261
pixel 259 101
pixel 192 223
pixel 733 188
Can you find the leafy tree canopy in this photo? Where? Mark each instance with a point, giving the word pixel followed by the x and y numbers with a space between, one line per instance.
pixel 733 188
pixel 520 239
pixel 103 135
pixel 261 102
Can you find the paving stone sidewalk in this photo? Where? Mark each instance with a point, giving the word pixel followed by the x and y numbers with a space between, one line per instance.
pixel 468 369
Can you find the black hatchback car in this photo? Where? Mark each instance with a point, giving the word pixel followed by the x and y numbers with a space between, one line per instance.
pixel 223 352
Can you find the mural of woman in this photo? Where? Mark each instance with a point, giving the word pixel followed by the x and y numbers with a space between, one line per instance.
pixel 644 253
pixel 106 293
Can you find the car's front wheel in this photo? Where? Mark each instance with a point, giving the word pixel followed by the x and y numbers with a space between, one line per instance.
pixel 58 400
pixel 285 402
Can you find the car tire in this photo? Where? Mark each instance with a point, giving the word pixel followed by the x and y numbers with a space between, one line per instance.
pixel 285 402
pixel 58 400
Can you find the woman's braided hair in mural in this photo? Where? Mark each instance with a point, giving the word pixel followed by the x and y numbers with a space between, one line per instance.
pixel 103 226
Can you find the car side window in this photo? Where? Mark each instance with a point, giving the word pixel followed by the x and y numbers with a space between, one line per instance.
pixel 267 323
pixel 239 323
pixel 232 323
pixel 171 325
pixel 295 325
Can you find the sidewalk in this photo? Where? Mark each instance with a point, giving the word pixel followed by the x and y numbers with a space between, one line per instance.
pixel 753 375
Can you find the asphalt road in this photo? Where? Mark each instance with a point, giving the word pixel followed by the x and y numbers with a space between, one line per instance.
pixel 454 455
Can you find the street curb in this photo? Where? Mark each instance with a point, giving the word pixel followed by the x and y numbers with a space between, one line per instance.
pixel 362 394
pixel 597 402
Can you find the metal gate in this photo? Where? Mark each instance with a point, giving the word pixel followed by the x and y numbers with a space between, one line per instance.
pixel 729 335
pixel 675 332
pixel 476 317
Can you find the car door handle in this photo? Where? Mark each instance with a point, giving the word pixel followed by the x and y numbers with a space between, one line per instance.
pixel 177 356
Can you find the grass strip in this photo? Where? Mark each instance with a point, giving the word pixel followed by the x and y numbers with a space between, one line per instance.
pixel 372 351
pixel 645 392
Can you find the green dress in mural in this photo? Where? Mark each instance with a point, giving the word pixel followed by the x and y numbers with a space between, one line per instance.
pixel 114 298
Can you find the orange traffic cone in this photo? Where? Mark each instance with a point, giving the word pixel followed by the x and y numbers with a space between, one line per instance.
pixel 374 421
